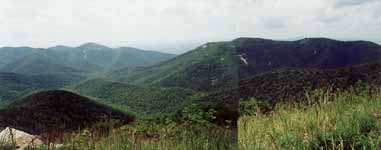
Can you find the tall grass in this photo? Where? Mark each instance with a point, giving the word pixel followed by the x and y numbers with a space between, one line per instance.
pixel 144 137
pixel 337 121
pixel 155 137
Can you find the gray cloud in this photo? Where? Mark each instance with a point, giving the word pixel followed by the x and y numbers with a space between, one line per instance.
pixel 273 23
pixel 345 3
pixel 168 25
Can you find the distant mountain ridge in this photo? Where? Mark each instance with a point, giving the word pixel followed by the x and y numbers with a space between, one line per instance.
pixel 86 57
pixel 37 64
pixel 25 69
pixel 14 86
pixel 219 65
pixel 320 53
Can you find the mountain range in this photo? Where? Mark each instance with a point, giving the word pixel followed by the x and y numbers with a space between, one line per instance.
pixel 216 74
pixel 223 64
pixel 89 57
pixel 60 66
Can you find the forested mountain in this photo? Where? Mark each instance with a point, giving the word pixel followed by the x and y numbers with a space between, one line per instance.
pixel 293 85
pixel 10 54
pixel 57 110
pixel 140 100
pixel 209 66
pixel 216 74
pixel 35 64
pixel 319 53
pixel 26 69
pixel 87 57
pixel 219 65
pixel 13 86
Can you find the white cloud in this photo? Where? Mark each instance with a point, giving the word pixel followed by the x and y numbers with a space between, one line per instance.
pixel 156 24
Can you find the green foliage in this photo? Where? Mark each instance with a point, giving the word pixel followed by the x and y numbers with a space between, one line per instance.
pixel 348 120
pixel 195 114
pixel 57 110
pixel 142 135
pixel 211 66
pixel 329 121
pixel 14 86
pixel 140 100
pixel 253 107
pixel 89 57
pixel 214 66
pixel 291 85
pixel 147 135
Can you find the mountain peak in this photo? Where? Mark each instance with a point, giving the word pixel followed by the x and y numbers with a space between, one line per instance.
pixel 57 110
pixel 332 41
pixel 61 47
pixel 317 39
pixel 244 39
pixel 91 45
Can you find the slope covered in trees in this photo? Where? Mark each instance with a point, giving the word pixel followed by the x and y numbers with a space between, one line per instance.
pixel 54 110
pixel 293 85
pixel 89 57
pixel 220 65
pixel 140 100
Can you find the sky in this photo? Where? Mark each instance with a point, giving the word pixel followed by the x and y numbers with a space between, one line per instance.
pixel 176 26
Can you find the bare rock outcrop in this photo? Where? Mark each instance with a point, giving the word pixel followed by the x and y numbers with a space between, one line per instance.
pixel 19 139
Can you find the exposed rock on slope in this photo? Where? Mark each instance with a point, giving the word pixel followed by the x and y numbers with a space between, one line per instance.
pixel 20 139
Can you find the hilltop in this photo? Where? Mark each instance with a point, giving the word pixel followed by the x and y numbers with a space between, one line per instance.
pixel 46 110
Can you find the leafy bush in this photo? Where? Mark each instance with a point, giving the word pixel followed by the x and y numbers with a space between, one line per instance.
pixel 253 107
pixel 196 114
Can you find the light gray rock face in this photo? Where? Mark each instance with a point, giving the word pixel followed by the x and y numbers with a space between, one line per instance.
pixel 20 139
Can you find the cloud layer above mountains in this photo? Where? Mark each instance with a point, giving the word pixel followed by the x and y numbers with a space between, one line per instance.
pixel 153 23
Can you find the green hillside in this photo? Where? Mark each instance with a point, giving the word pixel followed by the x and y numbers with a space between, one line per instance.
pixel 219 65
pixel 14 86
pixel 57 110
pixel 292 85
pixel 89 57
pixel 210 66
pixel 10 54
pixel 139 100
pixel 38 64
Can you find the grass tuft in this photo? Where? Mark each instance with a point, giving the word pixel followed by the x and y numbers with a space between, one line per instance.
pixel 336 121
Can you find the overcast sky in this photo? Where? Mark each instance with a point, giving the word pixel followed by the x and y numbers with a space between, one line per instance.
pixel 178 25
